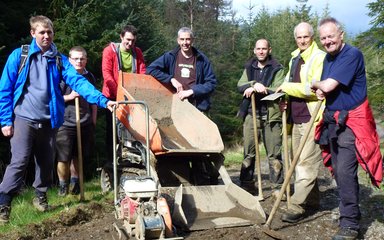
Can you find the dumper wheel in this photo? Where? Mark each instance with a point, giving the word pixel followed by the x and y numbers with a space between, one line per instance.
pixel 105 181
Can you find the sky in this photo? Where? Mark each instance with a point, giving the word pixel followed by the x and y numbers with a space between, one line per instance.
pixel 351 13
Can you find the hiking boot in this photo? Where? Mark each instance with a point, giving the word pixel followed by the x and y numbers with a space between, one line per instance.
pixel 41 203
pixel 292 217
pixel 5 211
pixel 74 188
pixel 346 233
pixel 63 190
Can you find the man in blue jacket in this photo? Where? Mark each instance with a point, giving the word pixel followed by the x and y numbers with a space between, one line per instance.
pixel 32 109
pixel 188 70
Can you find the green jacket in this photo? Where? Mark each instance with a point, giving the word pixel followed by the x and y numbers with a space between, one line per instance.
pixel 273 78
pixel 311 71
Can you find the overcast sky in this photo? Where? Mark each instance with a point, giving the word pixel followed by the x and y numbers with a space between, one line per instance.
pixel 351 13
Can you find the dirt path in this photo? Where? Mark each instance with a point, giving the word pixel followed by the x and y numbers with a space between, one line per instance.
pixel 94 221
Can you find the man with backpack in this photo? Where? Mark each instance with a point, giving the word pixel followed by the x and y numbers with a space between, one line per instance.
pixel 123 56
pixel 32 109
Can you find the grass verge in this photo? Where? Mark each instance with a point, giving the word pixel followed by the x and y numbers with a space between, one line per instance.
pixel 23 212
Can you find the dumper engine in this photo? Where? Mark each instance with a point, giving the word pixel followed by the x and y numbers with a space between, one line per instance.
pixel 143 212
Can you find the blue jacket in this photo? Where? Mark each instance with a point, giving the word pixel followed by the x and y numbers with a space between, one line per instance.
pixel 163 69
pixel 12 86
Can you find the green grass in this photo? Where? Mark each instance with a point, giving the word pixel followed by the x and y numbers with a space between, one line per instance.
pixel 23 212
pixel 234 154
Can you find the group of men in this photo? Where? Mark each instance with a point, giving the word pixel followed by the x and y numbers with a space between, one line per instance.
pixel 35 103
pixel 38 110
pixel 336 76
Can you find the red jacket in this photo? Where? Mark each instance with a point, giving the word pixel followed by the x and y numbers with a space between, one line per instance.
pixel 367 142
pixel 110 68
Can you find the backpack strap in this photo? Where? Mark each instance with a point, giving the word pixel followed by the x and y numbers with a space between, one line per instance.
pixel 59 62
pixel 24 56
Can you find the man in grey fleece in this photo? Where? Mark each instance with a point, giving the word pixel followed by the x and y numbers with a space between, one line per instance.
pixel 32 109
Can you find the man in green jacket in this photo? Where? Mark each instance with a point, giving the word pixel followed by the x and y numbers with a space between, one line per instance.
pixel 306 66
pixel 261 75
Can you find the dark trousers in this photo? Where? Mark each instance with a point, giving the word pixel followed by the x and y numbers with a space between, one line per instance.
pixel 344 164
pixel 270 133
pixel 29 138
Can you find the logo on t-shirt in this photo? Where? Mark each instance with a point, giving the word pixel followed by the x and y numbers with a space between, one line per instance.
pixel 185 70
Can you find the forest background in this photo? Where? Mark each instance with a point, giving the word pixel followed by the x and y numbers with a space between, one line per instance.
pixel 226 39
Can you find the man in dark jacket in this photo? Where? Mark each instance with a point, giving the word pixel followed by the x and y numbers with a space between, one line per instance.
pixel 188 70
pixel 66 139
pixel 261 74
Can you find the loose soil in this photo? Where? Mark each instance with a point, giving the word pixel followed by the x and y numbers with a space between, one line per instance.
pixel 95 221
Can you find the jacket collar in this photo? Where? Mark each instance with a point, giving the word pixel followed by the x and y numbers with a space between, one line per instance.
pixel 307 52
pixel 34 48
pixel 177 49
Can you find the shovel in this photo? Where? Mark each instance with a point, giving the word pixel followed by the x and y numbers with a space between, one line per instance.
pixel 267 226
pixel 260 197
pixel 286 154
pixel 79 149
pixel 274 97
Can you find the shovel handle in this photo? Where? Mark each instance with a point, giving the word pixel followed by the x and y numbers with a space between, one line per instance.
pixel 294 162
pixel 257 153
pixel 79 149
pixel 286 154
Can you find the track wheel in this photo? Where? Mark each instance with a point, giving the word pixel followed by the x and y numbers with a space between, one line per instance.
pixel 105 181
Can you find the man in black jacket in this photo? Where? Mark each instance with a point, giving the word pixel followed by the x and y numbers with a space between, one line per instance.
pixel 261 73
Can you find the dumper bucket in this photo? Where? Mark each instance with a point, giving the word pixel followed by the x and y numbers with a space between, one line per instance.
pixel 175 125
pixel 220 206
pixel 180 136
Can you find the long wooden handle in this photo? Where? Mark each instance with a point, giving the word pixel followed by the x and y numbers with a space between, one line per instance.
pixel 79 149
pixel 286 154
pixel 257 152
pixel 294 162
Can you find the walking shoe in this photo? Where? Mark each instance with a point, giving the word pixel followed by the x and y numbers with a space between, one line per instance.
pixel 5 211
pixel 63 190
pixel 74 188
pixel 292 217
pixel 346 233
pixel 41 203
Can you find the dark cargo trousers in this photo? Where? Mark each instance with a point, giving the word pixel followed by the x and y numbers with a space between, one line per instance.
pixel 28 138
pixel 270 133
pixel 345 165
